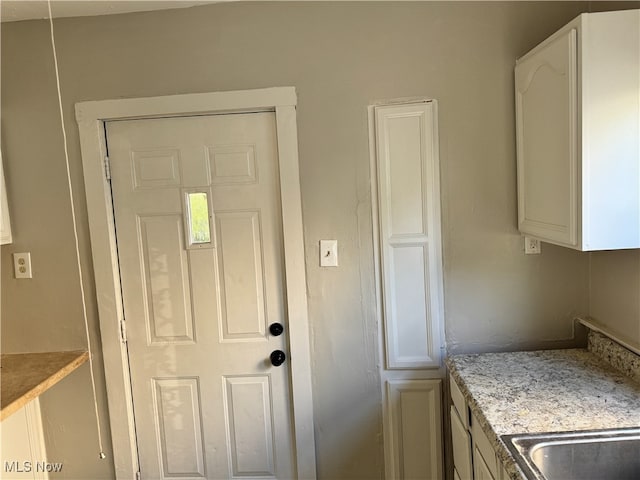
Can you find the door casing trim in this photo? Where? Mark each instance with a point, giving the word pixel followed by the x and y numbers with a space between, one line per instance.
pixel 90 117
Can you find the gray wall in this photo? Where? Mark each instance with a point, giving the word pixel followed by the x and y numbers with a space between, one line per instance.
pixel 615 292
pixel 341 57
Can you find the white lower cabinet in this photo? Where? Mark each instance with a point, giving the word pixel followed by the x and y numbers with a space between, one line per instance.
pixel 473 455
pixel 22 450
pixel 484 456
pixel 461 440
pixel 415 424
pixel 481 469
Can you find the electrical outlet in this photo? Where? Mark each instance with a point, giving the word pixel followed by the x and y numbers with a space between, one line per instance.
pixel 328 253
pixel 22 265
pixel 531 246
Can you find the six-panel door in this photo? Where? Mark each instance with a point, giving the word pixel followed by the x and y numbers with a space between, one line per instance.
pixel 199 232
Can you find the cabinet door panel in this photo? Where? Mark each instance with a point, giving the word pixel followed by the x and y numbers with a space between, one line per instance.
pixel 415 420
pixel 461 447
pixel 482 445
pixel 546 121
pixel 482 471
pixel 407 172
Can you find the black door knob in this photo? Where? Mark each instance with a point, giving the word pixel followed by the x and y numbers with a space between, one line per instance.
pixel 276 329
pixel 277 358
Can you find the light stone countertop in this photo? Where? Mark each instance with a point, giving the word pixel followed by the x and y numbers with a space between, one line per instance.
pixel 544 391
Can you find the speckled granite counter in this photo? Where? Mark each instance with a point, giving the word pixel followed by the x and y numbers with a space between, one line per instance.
pixel 548 391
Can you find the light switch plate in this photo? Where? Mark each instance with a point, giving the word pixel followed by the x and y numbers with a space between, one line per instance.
pixel 22 265
pixel 328 253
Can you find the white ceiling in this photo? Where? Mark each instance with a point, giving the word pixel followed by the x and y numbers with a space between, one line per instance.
pixel 15 10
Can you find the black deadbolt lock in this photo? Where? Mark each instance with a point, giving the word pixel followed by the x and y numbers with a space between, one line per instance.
pixel 276 329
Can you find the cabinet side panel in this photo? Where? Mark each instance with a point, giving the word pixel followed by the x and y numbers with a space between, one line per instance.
pixel 611 122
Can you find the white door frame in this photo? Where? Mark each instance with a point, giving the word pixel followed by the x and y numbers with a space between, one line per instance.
pixel 91 117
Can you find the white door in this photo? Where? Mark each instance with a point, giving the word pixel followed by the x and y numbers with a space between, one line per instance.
pixel 199 233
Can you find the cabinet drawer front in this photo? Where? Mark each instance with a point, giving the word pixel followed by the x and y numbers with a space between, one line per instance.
pixel 461 447
pixel 459 402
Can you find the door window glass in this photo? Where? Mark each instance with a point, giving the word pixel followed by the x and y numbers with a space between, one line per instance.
pixel 198 219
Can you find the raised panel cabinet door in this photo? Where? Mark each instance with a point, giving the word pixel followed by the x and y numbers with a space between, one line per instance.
pixel 482 471
pixel 482 445
pixel 407 172
pixel 547 141
pixel 200 241
pixel 416 421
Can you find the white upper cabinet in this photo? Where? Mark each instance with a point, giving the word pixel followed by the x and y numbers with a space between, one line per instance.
pixel 578 134
pixel 5 224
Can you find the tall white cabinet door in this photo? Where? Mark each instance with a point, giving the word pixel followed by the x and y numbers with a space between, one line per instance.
pixel 406 184
pixel 546 126
pixel 409 234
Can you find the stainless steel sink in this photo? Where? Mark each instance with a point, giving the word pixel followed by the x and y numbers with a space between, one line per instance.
pixel 589 455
